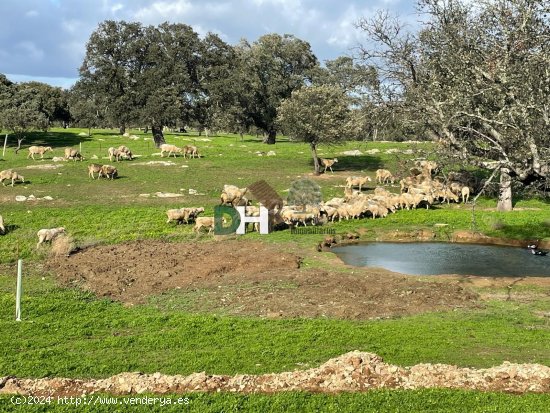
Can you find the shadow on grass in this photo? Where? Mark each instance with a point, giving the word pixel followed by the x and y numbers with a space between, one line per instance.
pixel 354 163
pixel 53 139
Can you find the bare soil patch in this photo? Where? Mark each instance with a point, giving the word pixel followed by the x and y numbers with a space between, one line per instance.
pixel 252 278
pixel 354 371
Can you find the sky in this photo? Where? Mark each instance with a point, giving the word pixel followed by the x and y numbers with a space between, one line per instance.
pixel 45 40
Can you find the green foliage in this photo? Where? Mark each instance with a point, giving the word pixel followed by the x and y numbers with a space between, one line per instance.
pixel 304 192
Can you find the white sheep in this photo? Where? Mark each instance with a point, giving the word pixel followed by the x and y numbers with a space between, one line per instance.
pixel 10 174
pixel 232 195
pixel 73 154
pixel 94 168
pixel 359 181
pixel 171 149
pixel 48 234
pixel 191 150
pixel 38 150
pixel 383 176
pixel 204 222
pixel 465 192
pixel 183 214
pixel 108 171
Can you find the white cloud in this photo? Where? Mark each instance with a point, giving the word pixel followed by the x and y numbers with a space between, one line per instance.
pixel 163 10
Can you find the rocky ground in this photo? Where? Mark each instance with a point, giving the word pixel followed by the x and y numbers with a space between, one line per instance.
pixel 354 371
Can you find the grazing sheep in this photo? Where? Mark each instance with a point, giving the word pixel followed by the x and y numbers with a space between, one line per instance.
pixel 183 214
pixel 171 149
pixel 11 175
pixel 108 171
pixel 327 163
pixel 125 152
pixel 38 150
pixel 359 181
pixel 94 168
pixel 2 227
pixel 48 234
pixel 114 152
pixel 465 192
pixel 191 150
pixel 383 176
pixel 206 222
pixel 73 154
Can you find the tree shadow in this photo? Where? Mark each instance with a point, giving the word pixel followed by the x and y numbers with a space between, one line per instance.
pixel 354 163
pixel 53 139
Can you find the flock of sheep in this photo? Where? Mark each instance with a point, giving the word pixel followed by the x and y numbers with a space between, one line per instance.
pixel 107 171
pixel 419 189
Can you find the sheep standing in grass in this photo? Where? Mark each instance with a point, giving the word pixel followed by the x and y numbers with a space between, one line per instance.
pixel 359 181
pixel 38 150
pixel 465 192
pixel 384 176
pixel 191 150
pixel 204 222
pixel 114 153
pixel 183 214
pixel 125 152
pixel 73 154
pixel 171 149
pixel 108 171
pixel 10 174
pixel 48 234
pixel 327 163
pixel 94 168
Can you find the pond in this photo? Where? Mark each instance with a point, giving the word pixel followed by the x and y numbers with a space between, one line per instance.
pixel 421 258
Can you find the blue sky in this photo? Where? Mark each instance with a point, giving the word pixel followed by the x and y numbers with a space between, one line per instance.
pixel 45 40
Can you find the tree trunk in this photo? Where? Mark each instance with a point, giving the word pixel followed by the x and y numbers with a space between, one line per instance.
pixel 270 137
pixel 146 129
pixel 313 147
pixel 158 137
pixel 122 129
pixel 505 191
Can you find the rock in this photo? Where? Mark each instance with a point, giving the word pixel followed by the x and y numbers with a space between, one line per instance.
pixel 355 152
pixel 271 153
pixel 20 198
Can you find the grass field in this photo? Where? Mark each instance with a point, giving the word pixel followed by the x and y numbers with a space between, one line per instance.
pixel 71 333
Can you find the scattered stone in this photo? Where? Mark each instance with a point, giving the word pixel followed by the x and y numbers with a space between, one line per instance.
pixel 94 157
pixel 355 152
pixel 20 198
pixel 271 153
pixel 58 159
pixel 134 137
pixel 44 166
pixel 145 195
pixel 126 134
pixel 167 195
pixel 161 163
pixel 372 151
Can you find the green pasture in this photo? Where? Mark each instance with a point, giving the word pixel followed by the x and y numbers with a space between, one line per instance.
pixel 70 333
pixel 103 211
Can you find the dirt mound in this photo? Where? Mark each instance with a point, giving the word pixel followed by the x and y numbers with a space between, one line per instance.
pixel 354 371
pixel 250 278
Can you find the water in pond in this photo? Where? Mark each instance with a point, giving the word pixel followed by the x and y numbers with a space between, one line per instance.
pixel 446 258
